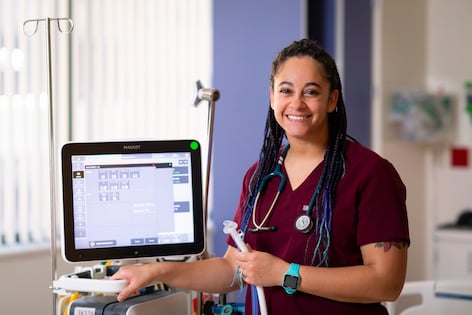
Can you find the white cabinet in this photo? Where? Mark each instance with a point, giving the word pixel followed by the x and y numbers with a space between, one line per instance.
pixel 453 254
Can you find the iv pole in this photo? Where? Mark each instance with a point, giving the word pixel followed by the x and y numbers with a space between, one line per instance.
pixel 211 96
pixel 52 154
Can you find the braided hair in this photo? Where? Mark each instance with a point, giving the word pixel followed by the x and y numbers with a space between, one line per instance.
pixel 334 165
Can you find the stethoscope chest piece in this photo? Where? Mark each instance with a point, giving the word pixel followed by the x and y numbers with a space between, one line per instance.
pixel 304 223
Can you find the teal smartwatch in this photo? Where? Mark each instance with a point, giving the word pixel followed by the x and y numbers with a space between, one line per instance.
pixel 291 279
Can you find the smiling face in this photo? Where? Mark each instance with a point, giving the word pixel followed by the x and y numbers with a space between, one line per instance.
pixel 301 98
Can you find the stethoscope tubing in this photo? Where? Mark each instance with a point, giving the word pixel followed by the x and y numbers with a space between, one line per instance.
pixel 304 223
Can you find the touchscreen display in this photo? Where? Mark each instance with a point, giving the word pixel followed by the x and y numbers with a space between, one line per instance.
pixel 132 200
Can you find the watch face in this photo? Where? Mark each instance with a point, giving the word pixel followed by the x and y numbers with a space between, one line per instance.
pixel 291 282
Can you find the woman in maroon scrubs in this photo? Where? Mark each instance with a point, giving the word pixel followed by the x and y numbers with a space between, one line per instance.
pixel 324 217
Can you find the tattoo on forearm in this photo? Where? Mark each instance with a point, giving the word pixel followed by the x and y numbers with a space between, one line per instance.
pixel 388 245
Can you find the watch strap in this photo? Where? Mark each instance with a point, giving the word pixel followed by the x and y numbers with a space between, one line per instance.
pixel 291 279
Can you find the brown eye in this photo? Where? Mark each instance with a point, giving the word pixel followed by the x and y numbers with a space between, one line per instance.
pixel 312 92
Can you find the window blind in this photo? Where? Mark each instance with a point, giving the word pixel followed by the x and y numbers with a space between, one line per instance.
pixel 24 169
pixel 127 71
pixel 135 64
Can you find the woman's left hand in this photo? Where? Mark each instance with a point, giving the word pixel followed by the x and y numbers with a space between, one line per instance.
pixel 261 268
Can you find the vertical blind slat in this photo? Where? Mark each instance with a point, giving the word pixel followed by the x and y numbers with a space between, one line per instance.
pixel 9 216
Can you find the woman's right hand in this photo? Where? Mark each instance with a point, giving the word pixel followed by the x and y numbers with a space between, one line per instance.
pixel 137 277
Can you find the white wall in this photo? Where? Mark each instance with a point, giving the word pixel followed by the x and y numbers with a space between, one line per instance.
pixel 26 279
pixel 399 49
pixel 448 67
pixel 423 44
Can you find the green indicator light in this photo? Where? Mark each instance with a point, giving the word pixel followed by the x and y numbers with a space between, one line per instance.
pixel 194 145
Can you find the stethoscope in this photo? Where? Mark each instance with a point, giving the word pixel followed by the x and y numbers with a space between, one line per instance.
pixel 303 223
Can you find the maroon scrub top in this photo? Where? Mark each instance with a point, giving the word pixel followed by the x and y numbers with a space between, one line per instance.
pixel 370 207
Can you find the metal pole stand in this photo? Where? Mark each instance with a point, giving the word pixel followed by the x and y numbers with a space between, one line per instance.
pixel 211 96
pixel 52 164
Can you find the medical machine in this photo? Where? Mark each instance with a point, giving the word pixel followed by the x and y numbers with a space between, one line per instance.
pixel 130 200
pixel 159 302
